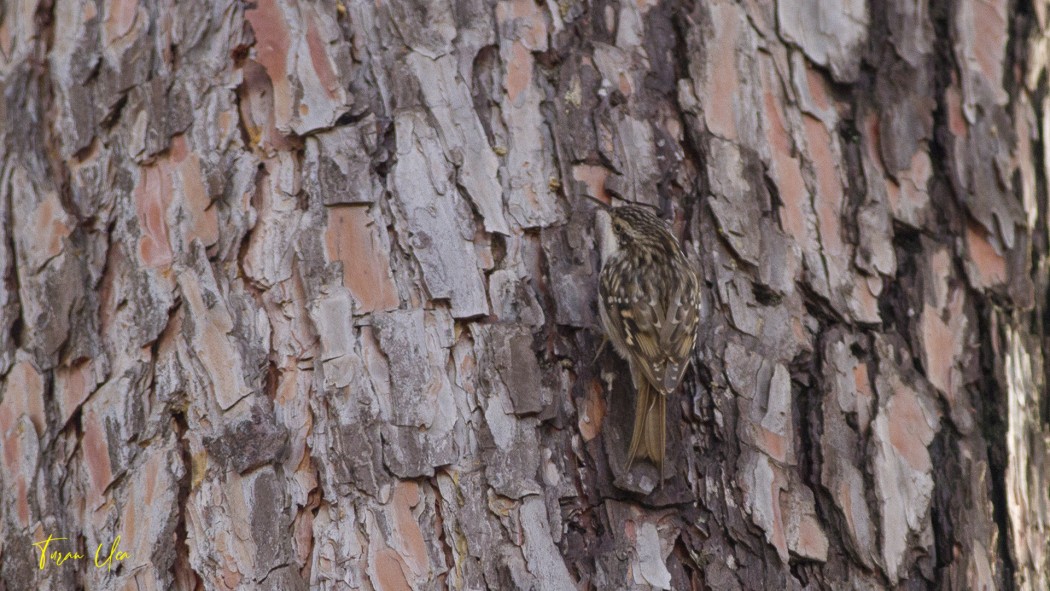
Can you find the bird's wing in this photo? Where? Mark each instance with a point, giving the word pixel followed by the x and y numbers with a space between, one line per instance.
pixel 678 332
pixel 653 319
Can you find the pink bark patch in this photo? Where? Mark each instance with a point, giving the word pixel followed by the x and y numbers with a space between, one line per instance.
pixel 910 200
pixel 6 38
pixel 50 222
pixel 319 59
pixel 987 267
pixel 956 120
pixel 174 178
pixel 811 541
pixel 829 188
pixel 351 239
pixel 389 574
pixel 230 577
pixel 938 344
pixel 120 17
pixel 941 344
pixel 23 396
pixel 149 488
pixel 844 496
pixel 519 71
pixel 96 456
pixel 74 385
pixel 216 352
pixel 990 29
pixel 910 433
pixel 864 304
pixel 23 502
pixel 593 412
pixel 818 89
pixel 864 397
pixel 257 109
pixel 152 198
pixel 530 26
pixel 943 328
pixel 774 444
pixel 786 170
pixel 593 176
pixel 724 81
pixel 406 496
pixel 12 450
pixel 625 85
pixel 779 497
pixel 271 45
pixel 202 222
pixel 466 368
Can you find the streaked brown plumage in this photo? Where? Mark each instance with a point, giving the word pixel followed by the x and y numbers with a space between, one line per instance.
pixel 649 309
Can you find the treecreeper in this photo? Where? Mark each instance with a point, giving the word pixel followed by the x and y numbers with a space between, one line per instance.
pixel 649 298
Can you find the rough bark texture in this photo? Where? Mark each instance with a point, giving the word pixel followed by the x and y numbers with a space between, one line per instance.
pixel 301 294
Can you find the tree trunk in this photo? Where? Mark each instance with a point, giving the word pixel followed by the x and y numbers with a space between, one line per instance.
pixel 301 295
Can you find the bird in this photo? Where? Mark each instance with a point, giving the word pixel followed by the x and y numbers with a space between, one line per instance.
pixel 649 299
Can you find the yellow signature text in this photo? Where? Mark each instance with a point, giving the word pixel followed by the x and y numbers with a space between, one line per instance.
pixel 58 557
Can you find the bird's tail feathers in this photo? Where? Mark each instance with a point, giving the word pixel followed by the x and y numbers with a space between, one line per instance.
pixel 649 438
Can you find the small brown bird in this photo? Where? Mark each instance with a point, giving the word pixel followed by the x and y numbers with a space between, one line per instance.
pixel 650 300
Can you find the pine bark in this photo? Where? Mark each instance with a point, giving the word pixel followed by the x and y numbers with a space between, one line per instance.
pixel 301 294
